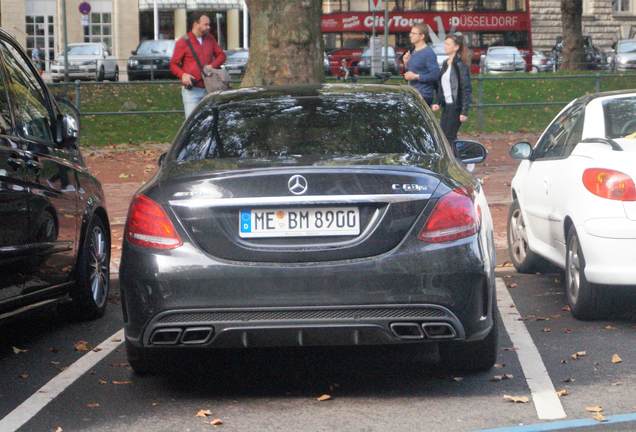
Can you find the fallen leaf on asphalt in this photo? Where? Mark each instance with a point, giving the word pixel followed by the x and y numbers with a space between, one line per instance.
pixel 204 413
pixel 617 383
pixel 500 365
pixel 569 380
pixel 566 308
pixel 53 350
pixel 97 349
pixel 59 429
pixel 82 346
pixel 517 399
pixel 92 405
pixel 458 379
pixel 323 398
pixel 599 417
pixel 24 375
pixel 547 330
pixel 122 382
pixel 562 392
pixel 513 285
pixel 55 363
pixel 577 355
pixel 512 349
pixel 564 362
pixel 594 409
pixel 119 365
pixel 115 340
pixel 610 327
pixel 102 381
pixel 567 330
pixel 616 359
pixel 216 422
pixel 502 377
pixel 17 350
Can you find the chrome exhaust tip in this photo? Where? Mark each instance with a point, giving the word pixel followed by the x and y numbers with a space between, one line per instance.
pixel 439 331
pixel 165 336
pixel 196 335
pixel 407 330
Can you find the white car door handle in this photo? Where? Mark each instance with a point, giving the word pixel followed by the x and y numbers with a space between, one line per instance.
pixel 546 185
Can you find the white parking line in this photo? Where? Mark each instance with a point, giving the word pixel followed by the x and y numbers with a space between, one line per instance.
pixel 30 407
pixel 546 401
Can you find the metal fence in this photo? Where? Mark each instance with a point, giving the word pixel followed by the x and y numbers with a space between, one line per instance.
pixel 490 93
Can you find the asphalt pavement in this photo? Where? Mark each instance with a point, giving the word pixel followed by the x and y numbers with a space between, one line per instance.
pixel 369 389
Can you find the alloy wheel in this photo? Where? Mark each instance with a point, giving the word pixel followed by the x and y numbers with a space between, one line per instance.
pixel 98 266
pixel 518 236
pixel 573 273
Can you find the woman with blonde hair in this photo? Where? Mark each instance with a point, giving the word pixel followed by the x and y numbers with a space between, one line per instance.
pixel 454 91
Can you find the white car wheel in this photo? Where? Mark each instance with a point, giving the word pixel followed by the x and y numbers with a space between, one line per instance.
pixel 524 260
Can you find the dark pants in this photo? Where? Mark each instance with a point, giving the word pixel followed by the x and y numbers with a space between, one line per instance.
pixel 450 121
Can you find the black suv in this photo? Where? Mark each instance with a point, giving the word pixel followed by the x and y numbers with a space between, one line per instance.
pixel 151 60
pixel 593 58
pixel 54 230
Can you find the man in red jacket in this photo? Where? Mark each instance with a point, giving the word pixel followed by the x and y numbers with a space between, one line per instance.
pixel 184 66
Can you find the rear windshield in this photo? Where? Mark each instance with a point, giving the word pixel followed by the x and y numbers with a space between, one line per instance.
pixel 620 117
pixel 156 47
pixel 352 125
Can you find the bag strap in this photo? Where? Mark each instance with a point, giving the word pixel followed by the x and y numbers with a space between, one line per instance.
pixel 194 53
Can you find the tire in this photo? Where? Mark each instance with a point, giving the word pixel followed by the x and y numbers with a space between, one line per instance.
pixel 89 295
pixel 584 298
pixel 140 361
pixel 116 75
pixel 524 260
pixel 475 356
pixel 100 74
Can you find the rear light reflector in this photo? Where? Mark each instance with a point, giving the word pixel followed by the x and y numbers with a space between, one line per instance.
pixel 149 226
pixel 454 217
pixel 610 184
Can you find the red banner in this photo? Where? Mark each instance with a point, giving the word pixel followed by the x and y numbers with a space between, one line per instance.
pixel 400 22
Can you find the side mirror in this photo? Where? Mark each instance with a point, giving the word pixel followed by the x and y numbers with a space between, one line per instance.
pixel 521 151
pixel 162 158
pixel 67 131
pixel 469 152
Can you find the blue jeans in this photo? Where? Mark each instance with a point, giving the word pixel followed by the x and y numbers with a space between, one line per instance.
pixel 191 99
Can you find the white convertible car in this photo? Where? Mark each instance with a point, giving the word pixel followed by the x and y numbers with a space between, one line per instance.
pixel 574 199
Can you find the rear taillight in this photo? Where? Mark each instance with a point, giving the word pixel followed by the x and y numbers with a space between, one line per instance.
pixel 454 217
pixel 609 184
pixel 149 226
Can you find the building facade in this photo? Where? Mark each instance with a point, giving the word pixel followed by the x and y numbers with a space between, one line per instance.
pixel 607 21
pixel 120 24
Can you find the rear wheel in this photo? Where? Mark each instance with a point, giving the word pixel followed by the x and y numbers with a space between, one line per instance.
pixel 524 260
pixel 90 293
pixel 100 74
pixel 116 75
pixel 584 298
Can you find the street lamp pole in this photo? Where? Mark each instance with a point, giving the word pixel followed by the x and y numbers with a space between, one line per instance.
pixel 156 19
pixel 65 33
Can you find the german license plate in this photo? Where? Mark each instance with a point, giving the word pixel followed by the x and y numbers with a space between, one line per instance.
pixel 299 222
pixel 234 71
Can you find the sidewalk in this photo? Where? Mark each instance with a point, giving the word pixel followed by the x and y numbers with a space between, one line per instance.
pixel 124 169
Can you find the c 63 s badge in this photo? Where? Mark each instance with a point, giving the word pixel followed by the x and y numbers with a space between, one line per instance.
pixel 408 187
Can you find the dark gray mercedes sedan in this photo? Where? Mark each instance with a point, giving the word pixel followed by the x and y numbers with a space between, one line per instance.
pixel 309 216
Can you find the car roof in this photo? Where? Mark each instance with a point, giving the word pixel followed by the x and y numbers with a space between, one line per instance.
pixel 604 95
pixel 308 90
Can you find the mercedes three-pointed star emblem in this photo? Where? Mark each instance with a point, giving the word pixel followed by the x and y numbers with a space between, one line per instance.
pixel 297 184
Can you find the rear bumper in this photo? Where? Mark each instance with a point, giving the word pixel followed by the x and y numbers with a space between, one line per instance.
pixel 353 302
pixel 609 246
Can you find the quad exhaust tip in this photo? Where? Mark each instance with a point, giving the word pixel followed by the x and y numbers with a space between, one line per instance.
pixel 439 331
pixel 187 336
pixel 407 330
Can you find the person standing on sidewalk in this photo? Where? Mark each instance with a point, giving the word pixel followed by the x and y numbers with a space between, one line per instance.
pixel 454 91
pixel 185 67
pixel 422 71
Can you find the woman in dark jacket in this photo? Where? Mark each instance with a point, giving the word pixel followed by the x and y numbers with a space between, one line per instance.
pixel 454 91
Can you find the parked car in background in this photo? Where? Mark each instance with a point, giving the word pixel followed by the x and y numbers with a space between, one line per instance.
pixel 309 216
pixel 574 200
pixel 500 59
pixel 364 65
pixel 236 63
pixel 593 58
pixel 625 57
pixel 54 229
pixel 86 61
pixel 440 53
pixel 541 62
pixel 151 60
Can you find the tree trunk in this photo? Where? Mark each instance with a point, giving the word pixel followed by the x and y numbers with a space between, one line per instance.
pixel 573 56
pixel 286 43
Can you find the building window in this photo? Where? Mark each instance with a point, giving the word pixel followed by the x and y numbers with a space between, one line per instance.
pixel 99 29
pixel 620 6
